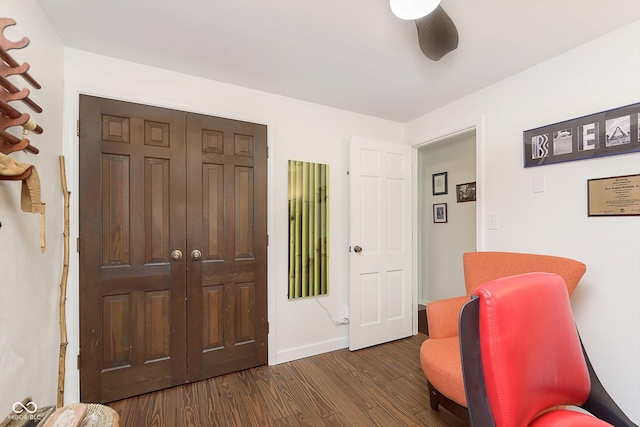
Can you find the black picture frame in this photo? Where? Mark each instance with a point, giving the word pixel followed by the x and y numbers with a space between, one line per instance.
pixel 440 215
pixel 607 133
pixel 439 184
pixel 466 192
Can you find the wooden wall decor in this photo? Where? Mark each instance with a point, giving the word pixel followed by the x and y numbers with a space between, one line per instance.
pixel 10 116
pixel 62 357
pixel 11 170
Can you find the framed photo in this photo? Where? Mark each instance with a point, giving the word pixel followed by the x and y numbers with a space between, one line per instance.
pixel 466 192
pixel 607 133
pixel 440 212
pixel 615 196
pixel 439 183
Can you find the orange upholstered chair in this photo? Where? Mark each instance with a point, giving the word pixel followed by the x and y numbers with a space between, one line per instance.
pixel 440 354
pixel 522 368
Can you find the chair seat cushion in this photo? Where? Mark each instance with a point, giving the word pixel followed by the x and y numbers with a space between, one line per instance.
pixel 440 360
pixel 567 418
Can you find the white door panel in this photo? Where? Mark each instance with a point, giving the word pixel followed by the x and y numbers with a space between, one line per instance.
pixel 380 288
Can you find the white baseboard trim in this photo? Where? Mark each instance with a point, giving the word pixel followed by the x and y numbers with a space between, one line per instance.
pixel 311 350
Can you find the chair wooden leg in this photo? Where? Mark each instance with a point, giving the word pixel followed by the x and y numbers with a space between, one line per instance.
pixel 433 396
pixel 436 399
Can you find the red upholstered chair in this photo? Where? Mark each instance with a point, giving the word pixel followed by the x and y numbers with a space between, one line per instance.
pixel 523 360
pixel 440 354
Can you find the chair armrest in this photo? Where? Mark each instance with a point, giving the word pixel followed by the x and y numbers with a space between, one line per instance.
pixel 442 316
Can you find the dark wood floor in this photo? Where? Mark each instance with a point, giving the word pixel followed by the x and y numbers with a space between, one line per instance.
pixel 378 386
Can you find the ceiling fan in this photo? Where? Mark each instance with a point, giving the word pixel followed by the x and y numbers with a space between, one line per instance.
pixel 437 34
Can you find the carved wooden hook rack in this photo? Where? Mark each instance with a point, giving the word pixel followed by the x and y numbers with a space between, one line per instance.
pixel 10 116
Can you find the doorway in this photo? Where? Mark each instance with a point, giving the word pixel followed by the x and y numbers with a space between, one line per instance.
pixel 443 239
pixel 172 247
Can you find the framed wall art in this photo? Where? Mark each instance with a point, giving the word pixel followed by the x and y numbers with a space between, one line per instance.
pixel 440 212
pixel 466 192
pixel 607 133
pixel 309 212
pixel 439 183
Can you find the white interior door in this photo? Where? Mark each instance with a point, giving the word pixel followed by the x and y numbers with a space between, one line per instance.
pixel 380 261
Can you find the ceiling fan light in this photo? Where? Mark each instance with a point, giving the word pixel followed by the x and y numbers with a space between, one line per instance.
pixel 412 9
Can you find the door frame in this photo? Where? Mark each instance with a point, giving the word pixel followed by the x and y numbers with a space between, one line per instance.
pixel 426 140
pixel 70 150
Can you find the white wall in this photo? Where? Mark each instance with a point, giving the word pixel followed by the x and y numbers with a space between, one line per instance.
pixel 442 244
pixel 296 131
pixel 29 279
pixel 598 76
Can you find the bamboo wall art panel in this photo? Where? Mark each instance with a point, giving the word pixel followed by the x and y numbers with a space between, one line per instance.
pixel 308 229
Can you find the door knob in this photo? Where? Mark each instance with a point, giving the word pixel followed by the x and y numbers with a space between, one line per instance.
pixel 357 249
pixel 196 254
pixel 176 255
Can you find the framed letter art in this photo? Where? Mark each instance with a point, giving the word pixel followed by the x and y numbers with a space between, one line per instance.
pixel 606 133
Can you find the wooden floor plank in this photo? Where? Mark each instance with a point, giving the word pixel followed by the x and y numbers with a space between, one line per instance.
pixel 382 385
pixel 275 399
pixel 298 401
pixel 324 395
pixel 189 408
pixel 258 411
pixel 402 400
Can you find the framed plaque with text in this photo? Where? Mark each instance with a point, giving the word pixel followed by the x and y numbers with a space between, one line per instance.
pixel 615 196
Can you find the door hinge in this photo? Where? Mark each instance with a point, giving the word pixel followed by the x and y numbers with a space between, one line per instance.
pixel 267 327
pixel 78 244
pixel 78 127
pixel 78 361
pixel 267 240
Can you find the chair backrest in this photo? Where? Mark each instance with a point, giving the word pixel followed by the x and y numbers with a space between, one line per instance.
pixel 530 352
pixel 483 267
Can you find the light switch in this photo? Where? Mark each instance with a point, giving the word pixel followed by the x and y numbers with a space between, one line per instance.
pixel 492 221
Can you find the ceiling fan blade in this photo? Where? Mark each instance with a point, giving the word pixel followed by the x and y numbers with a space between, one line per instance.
pixel 437 34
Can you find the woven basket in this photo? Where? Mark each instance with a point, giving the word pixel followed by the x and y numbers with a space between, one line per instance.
pixel 100 416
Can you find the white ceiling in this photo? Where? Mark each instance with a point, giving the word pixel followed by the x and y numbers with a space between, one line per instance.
pixel 349 54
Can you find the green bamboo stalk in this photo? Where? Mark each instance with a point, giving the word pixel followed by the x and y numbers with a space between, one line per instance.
pixel 324 214
pixel 305 229
pixel 316 229
pixel 292 258
pixel 292 252
pixel 298 271
pixel 311 184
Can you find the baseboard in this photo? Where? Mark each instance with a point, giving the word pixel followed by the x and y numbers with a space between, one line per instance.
pixel 311 350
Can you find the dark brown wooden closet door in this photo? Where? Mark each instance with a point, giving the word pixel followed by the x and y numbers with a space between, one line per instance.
pixel 132 216
pixel 226 213
pixel 148 321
